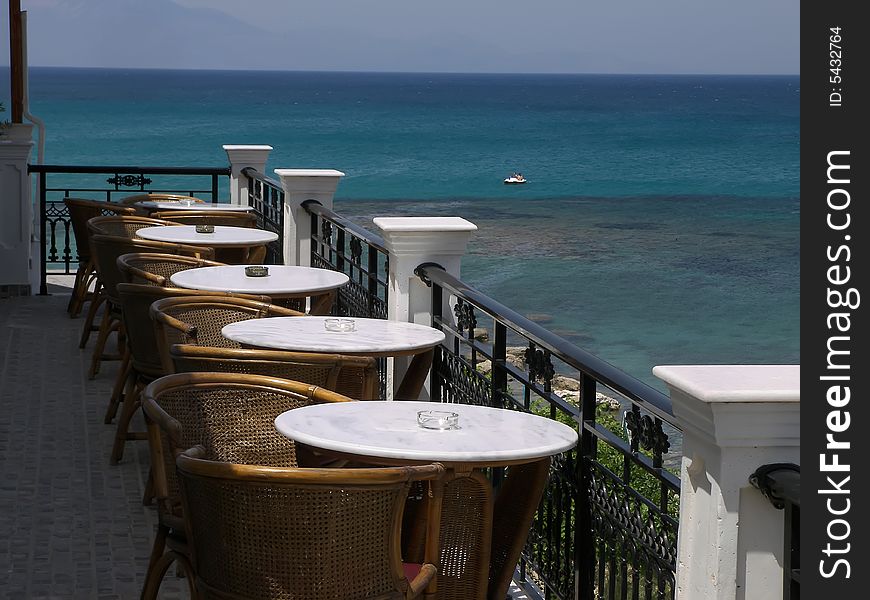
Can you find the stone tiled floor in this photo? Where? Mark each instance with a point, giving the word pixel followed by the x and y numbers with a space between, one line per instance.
pixel 71 525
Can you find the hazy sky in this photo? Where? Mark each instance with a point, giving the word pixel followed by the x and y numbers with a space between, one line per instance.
pixel 575 36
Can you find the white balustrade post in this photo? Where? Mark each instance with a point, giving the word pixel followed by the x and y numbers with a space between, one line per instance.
pixel 410 242
pixel 19 254
pixel 242 157
pixel 735 418
pixel 300 185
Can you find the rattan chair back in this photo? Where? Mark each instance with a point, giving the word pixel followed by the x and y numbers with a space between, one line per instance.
pixel 136 300
pixel 199 320
pixel 81 210
pixel 151 268
pixel 232 415
pixel 122 225
pixel 107 249
pixel 352 376
pixel 211 217
pixel 317 534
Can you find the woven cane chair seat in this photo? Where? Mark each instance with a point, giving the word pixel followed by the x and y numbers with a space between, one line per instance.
pixel 232 416
pixel 199 320
pixel 144 363
pixel 268 533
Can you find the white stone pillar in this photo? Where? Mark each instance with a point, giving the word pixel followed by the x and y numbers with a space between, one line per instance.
pixel 242 157
pixel 19 275
pixel 735 418
pixel 412 241
pixel 301 185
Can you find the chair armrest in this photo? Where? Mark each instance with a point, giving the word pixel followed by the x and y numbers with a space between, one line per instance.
pixel 422 580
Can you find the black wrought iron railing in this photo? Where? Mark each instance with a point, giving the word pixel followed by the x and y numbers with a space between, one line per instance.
pixel 607 524
pixel 342 245
pixel 110 183
pixel 339 244
pixel 267 197
pixel 781 484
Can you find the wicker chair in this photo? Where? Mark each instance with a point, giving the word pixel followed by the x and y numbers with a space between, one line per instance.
pixel 320 533
pixel 122 225
pixel 199 320
pixel 151 268
pixel 80 211
pixel 145 364
pixel 211 217
pixel 106 249
pixel 352 376
pixel 232 416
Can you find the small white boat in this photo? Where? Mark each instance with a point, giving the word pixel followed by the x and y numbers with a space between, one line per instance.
pixel 515 179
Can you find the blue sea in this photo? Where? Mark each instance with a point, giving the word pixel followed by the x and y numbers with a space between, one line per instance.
pixel 660 224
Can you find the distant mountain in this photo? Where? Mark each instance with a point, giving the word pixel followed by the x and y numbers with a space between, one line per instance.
pixel 137 33
pixel 163 34
pixel 449 35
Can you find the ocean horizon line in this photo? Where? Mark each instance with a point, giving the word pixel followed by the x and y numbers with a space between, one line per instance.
pixel 401 72
pixel 688 198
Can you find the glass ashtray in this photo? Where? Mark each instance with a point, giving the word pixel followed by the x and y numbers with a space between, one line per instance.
pixel 339 324
pixel 205 228
pixel 256 271
pixel 437 419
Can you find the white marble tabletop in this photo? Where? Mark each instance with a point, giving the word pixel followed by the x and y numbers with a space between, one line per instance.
pixel 185 205
pixel 223 235
pixel 389 430
pixel 308 334
pixel 282 279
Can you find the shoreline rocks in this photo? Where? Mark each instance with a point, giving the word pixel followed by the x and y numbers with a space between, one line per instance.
pixel 563 386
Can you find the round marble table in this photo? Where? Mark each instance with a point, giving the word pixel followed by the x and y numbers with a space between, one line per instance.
pixel 282 282
pixel 153 205
pixel 371 337
pixel 481 535
pixel 389 431
pixel 224 236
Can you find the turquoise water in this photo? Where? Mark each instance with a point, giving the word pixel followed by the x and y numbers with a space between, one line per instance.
pixel 659 224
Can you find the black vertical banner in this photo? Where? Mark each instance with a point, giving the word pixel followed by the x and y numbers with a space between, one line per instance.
pixel 835 420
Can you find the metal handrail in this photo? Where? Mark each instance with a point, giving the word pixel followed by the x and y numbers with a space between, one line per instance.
pixel 128 169
pixel 653 400
pixel 316 208
pixel 779 482
pixel 252 173
pixel 42 171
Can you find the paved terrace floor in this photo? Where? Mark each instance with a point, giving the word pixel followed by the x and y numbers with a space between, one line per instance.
pixel 72 525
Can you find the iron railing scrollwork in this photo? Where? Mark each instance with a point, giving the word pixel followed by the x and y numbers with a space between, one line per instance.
pixel 130 181
pixel 341 245
pixel 780 483
pixel 607 523
pixel 57 247
pixel 267 197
